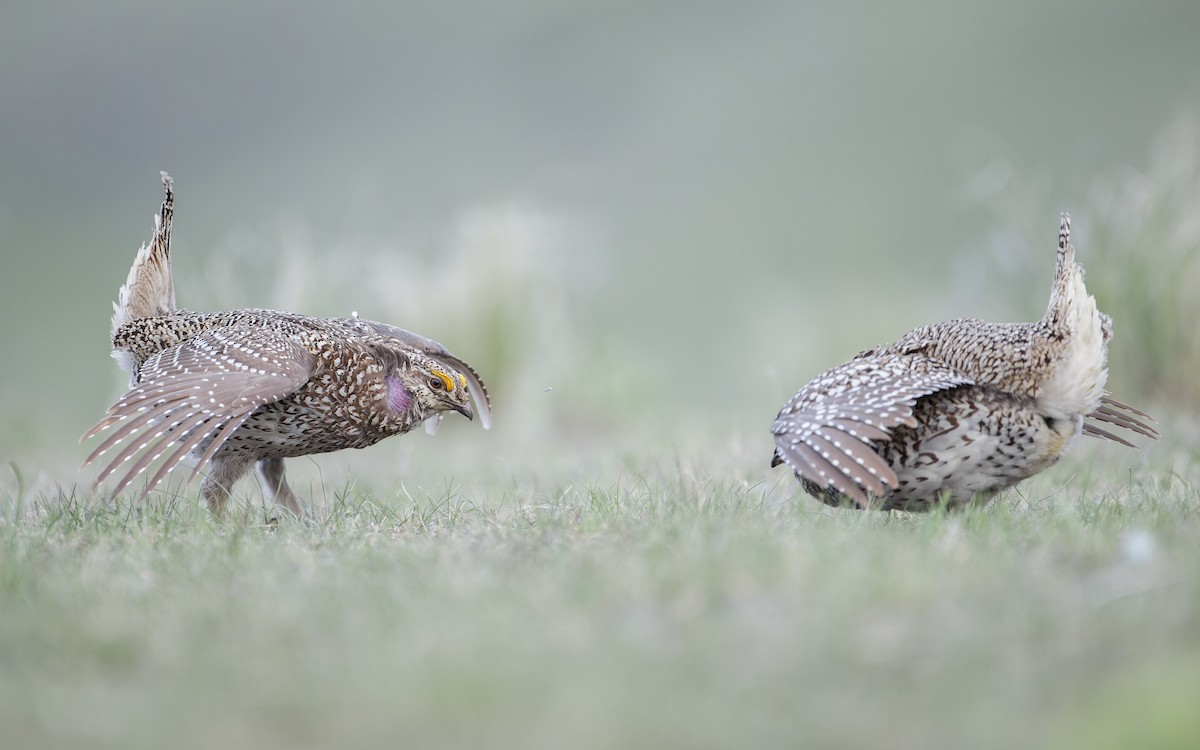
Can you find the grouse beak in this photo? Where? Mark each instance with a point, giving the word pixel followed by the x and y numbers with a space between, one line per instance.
pixel 465 410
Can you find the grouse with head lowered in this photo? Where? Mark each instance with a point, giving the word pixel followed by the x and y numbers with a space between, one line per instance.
pixel 249 388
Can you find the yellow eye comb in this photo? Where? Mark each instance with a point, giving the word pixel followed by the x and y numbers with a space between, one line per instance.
pixel 447 380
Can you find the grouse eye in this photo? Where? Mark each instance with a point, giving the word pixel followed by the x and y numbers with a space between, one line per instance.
pixel 436 383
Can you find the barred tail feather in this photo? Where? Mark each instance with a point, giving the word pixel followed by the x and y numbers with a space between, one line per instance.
pixel 149 290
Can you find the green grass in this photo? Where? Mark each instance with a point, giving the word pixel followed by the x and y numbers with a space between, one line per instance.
pixel 613 566
pixel 652 603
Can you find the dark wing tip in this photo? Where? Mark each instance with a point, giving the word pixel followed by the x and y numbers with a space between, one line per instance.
pixel 1092 430
pixel 1122 415
pixel 1110 401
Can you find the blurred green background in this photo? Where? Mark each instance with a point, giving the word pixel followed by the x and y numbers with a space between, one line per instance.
pixel 626 213
pixel 646 225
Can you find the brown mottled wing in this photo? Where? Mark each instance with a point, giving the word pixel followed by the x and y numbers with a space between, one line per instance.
pixel 1122 415
pixel 437 352
pixel 825 432
pixel 206 386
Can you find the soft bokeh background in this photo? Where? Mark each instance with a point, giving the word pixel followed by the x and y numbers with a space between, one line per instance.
pixel 637 219
pixel 646 224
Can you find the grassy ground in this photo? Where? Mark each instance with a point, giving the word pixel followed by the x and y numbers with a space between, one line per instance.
pixel 598 572
pixel 660 602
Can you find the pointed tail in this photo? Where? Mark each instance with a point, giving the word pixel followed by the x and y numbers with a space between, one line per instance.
pixel 1061 294
pixel 1074 334
pixel 149 290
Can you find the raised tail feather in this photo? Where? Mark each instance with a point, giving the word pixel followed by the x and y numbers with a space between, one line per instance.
pixel 149 290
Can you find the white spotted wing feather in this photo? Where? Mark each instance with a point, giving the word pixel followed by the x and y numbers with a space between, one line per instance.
pixel 825 432
pixel 203 388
